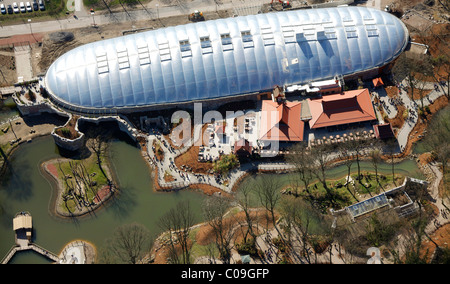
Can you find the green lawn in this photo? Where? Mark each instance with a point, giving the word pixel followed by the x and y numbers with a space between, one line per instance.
pixel 341 195
pixel 95 173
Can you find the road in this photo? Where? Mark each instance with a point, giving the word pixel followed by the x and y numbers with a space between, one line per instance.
pixel 153 10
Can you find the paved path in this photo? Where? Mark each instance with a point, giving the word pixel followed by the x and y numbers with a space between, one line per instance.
pixel 23 63
pixel 411 105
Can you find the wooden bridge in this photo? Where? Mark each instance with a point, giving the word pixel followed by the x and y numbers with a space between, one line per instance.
pixel 30 246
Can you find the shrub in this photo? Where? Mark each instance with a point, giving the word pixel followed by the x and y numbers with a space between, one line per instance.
pixel 225 163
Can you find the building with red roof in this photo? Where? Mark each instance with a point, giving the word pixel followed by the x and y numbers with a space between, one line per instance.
pixel 281 121
pixel 377 82
pixel 339 109
pixel 242 148
pixel 383 131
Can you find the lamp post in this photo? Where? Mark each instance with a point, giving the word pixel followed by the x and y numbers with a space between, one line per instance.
pixel 93 18
pixel 157 10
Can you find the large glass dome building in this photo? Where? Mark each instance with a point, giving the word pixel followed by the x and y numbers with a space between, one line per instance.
pixel 225 58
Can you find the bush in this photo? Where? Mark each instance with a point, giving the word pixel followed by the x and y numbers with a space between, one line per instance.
pixel 248 247
pixel 65 132
pixel 226 163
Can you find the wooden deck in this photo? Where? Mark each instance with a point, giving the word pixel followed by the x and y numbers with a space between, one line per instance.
pixel 22 227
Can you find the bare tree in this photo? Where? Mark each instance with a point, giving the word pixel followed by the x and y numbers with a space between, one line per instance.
pixel 406 70
pixel 214 211
pixel 130 244
pixel 321 162
pixel 246 202
pixel 178 223
pixel 346 155
pixel 268 189
pixel 375 158
pixel 304 166
pixel 98 144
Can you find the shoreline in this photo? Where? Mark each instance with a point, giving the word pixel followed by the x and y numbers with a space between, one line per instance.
pixel 58 190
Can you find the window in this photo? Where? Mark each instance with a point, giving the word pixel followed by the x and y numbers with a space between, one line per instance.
pixel 227 43
pixel 352 35
pixel 372 33
pixel 164 51
pixel 288 33
pixel 122 58
pixel 185 48
pixel 246 36
pixel 102 63
pixel 267 36
pixel 351 32
pixel 331 35
pixel 205 43
pixel 185 45
pixel 144 55
pixel 226 39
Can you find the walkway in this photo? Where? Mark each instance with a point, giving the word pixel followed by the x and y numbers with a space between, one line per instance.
pixel 411 105
pixel 30 246
pixel 183 179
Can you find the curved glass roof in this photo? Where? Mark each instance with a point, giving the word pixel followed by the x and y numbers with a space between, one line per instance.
pixel 225 57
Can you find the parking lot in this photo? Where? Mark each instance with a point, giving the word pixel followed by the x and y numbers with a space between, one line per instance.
pixel 34 6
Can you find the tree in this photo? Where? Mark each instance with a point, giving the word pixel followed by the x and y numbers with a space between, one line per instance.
pixel 98 144
pixel 246 202
pixel 442 75
pixel 358 150
pixel 178 222
pixel 410 71
pixel 346 155
pixel 303 163
pixel 268 190
pixel 226 163
pixel 129 244
pixel 391 148
pixel 321 162
pixel 375 158
pixel 214 211
pixel 438 137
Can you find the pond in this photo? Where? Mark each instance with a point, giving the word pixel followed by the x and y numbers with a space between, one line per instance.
pixel 26 189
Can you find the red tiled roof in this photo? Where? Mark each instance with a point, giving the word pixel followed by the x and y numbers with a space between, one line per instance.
pixel 281 121
pixel 377 82
pixel 242 146
pixel 348 107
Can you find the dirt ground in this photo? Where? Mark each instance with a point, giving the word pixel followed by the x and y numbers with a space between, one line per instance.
pixel 205 235
pixel 7 67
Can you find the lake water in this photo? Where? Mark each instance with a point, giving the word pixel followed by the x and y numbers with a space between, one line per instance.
pixel 26 189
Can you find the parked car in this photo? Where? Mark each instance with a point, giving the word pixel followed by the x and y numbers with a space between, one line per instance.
pixel 22 7
pixel 2 8
pixel 10 9
pixel 15 7
pixel 41 5
pixel 28 5
pixel 35 6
